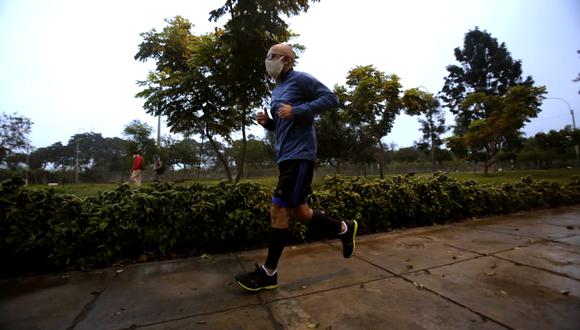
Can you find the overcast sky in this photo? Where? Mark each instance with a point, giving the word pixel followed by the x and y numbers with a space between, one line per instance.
pixel 68 64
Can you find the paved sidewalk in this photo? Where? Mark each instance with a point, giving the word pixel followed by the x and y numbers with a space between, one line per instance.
pixel 516 272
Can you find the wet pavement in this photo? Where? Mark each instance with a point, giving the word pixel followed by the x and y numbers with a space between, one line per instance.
pixel 511 272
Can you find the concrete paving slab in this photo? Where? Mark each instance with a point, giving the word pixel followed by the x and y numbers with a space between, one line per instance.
pixel 534 230
pixel 556 257
pixel 574 240
pixel 311 268
pixel 48 302
pixel 391 303
pixel 481 241
pixel 154 292
pixel 407 252
pixel 559 216
pixel 255 317
pixel 517 296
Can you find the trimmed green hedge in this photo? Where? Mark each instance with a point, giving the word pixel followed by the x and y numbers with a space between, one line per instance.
pixel 43 231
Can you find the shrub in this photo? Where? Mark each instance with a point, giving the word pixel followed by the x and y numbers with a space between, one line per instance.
pixel 45 231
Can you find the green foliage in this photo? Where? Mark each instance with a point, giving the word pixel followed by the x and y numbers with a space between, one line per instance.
pixel 487 93
pixel 45 231
pixel 14 131
pixel 371 101
pixel 139 139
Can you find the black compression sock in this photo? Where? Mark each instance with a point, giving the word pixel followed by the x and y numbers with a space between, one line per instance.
pixel 276 243
pixel 325 224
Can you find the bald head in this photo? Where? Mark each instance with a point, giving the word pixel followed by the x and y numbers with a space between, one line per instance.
pixel 283 50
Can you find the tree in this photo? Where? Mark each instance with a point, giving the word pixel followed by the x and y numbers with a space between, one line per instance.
pixel 417 102
pixel 335 138
pixel 372 101
pixel 184 152
pixel 14 131
pixel 208 84
pixel 187 85
pixel 487 94
pixel 407 155
pixel 138 135
pixel 257 153
pixel 254 26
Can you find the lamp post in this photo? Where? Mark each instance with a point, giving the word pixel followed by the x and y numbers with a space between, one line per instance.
pixel 432 138
pixel 573 122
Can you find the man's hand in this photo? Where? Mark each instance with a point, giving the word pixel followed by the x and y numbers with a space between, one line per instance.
pixel 262 118
pixel 285 111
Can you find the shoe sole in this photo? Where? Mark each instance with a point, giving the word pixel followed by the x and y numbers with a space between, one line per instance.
pixel 268 287
pixel 353 238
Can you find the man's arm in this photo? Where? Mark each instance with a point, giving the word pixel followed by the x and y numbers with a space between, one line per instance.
pixel 266 122
pixel 321 97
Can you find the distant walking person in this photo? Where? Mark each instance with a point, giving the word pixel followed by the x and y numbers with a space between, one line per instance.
pixel 296 99
pixel 136 169
pixel 158 168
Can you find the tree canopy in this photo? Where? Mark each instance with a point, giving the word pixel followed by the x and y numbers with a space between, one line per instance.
pixel 488 95
pixel 14 131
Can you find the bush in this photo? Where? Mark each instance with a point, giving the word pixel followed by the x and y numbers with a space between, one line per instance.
pixel 45 231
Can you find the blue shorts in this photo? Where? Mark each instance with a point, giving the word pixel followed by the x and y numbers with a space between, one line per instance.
pixel 294 182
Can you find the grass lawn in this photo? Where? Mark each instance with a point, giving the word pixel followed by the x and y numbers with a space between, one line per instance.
pixel 559 175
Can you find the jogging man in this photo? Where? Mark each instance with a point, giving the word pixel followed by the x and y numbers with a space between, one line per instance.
pixel 296 99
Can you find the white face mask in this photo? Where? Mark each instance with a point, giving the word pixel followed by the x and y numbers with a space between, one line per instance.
pixel 274 67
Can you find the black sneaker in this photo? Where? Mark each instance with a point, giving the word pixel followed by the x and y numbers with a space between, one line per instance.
pixel 257 280
pixel 348 238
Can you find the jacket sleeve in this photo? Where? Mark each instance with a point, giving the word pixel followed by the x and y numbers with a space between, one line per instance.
pixel 270 125
pixel 319 97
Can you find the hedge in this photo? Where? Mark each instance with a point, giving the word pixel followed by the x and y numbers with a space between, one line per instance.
pixel 44 231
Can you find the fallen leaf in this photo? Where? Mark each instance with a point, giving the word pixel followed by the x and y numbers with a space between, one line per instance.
pixel 503 292
pixel 119 271
pixel 304 287
pixel 490 273
pixel 313 325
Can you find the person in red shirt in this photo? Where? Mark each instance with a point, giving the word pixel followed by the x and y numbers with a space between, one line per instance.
pixel 136 169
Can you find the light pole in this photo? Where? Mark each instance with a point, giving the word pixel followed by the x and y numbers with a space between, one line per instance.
pixel 432 138
pixel 159 131
pixel 573 122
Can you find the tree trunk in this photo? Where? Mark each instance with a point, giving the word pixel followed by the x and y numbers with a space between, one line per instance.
pixel 200 157
pixel 433 163
pixel 220 157
pixel 381 159
pixel 244 145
